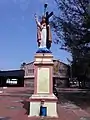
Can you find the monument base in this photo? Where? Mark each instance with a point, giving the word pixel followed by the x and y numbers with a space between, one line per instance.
pixel 43 102
pixel 50 102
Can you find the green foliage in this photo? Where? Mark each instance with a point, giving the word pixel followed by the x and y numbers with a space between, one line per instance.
pixel 72 27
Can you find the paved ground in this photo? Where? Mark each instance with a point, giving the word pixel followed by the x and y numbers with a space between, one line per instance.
pixel 13 106
pixel 74 90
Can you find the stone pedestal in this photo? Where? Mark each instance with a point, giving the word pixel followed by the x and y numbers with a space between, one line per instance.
pixel 43 86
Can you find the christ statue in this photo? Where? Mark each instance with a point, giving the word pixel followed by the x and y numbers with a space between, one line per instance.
pixel 42 33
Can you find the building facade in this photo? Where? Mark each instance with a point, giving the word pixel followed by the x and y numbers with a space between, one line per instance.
pixel 60 74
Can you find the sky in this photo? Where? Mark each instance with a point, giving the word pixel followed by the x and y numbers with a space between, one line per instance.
pixel 18 42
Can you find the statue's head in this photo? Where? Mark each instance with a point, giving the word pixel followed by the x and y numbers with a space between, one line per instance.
pixel 43 19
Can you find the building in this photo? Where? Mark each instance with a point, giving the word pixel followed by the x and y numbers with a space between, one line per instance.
pixel 60 73
pixel 12 78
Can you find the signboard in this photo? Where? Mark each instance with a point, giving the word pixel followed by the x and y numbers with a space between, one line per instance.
pixel 12 81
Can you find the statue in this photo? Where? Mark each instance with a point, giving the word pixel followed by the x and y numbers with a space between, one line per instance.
pixel 44 37
pixel 42 32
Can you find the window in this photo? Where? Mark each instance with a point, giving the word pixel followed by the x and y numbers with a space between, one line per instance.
pixel 30 70
pixel 62 71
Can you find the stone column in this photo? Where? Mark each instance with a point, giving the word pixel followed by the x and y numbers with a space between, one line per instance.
pixel 43 86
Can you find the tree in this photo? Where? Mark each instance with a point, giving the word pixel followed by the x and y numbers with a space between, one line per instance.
pixel 22 65
pixel 72 27
pixel 72 23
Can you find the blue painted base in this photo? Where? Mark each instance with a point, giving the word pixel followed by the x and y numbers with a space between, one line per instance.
pixel 43 50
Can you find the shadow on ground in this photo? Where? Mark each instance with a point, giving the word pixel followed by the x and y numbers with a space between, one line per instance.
pixel 26 105
pixel 80 99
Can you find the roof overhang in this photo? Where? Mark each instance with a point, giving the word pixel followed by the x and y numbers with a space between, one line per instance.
pixel 12 73
pixel 26 77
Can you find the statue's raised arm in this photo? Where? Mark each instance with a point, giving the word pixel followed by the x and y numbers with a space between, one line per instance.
pixel 44 37
pixel 37 22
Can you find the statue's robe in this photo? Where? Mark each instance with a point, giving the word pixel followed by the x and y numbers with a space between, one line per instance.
pixel 39 30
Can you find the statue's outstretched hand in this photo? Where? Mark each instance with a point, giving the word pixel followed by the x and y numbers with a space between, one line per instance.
pixel 35 17
pixel 37 22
